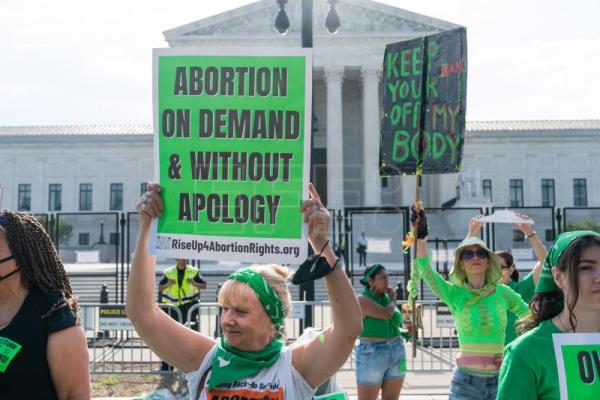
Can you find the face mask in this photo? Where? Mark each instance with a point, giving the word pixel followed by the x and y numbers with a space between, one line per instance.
pixel 313 268
pixel 2 277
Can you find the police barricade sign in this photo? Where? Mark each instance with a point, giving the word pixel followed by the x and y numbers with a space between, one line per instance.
pixel 381 246
pixel 443 316
pixel 298 311
pixel 232 153
pixel 113 318
pixel 578 361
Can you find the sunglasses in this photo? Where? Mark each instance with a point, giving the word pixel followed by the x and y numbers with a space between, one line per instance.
pixel 469 254
pixel 506 266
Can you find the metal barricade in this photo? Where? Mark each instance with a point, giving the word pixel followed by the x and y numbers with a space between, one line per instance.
pixel 118 349
pixel 437 347
pixel 114 346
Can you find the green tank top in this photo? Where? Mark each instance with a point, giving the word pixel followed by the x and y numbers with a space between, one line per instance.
pixel 381 328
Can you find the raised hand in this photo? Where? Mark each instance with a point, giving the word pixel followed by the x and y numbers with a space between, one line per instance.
pixel 316 216
pixel 526 229
pixel 418 221
pixel 392 293
pixel 475 226
pixel 150 205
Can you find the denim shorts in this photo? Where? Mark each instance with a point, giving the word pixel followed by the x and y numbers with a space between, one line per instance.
pixel 465 386
pixel 380 361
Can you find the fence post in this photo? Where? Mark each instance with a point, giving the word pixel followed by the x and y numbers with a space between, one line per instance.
pixel 559 217
pixel 104 300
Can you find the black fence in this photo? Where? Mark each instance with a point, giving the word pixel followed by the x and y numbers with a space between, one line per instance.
pixel 98 247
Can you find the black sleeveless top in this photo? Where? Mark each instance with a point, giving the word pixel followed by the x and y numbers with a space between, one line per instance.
pixel 24 370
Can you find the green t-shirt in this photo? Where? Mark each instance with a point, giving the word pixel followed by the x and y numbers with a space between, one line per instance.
pixel 381 328
pixel 525 288
pixel 529 368
pixel 480 321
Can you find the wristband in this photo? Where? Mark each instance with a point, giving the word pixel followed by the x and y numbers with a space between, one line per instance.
pixel 530 236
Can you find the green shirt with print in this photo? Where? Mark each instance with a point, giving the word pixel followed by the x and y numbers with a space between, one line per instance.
pixel 529 370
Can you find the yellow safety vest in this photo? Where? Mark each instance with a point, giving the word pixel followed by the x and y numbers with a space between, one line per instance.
pixel 186 293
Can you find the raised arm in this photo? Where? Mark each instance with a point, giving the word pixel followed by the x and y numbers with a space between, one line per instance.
pixel 438 285
pixel 174 343
pixel 335 344
pixel 539 249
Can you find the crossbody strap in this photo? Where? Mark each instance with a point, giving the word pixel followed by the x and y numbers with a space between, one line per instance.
pixel 201 384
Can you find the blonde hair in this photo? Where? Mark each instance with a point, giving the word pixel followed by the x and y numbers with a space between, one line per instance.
pixel 235 292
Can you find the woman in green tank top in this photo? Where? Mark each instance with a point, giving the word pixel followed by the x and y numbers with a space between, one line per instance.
pixel 380 355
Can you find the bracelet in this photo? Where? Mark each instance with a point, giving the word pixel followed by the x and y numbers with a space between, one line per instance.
pixel 530 236
pixel 337 265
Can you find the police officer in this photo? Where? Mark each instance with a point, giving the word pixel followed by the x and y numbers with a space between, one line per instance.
pixel 180 287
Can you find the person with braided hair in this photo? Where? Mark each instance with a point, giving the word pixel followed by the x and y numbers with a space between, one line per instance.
pixel 43 351
pixel 250 360
pixel 478 302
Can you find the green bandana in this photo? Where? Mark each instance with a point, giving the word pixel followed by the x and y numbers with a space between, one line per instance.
pixel 265 293
pixel 546 281
pixel 230 364
pixel 370 273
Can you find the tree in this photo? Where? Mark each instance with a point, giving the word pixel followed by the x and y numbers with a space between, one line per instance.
pixel 65 232
pixel 583 225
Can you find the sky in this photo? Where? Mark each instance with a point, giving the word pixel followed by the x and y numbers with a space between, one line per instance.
pixel 71 62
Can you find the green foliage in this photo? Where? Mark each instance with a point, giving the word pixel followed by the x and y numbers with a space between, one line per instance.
pixel 110 380
pixel 65 232
pixel 583 225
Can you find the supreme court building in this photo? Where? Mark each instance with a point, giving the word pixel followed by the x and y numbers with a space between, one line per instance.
pixel 514 163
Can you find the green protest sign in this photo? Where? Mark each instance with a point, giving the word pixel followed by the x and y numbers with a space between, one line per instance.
pixel 232 153
pixel 8 351
pixel 578 362
pixel 332 396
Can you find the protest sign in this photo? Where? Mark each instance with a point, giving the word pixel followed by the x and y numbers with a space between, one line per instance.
pixel 578 362
pixel 424 95
pixel 504 217
pixel 232 153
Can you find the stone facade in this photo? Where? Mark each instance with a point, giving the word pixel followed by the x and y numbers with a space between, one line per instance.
pixel 347 96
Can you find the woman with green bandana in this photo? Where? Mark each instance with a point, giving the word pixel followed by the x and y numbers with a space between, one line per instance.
pixel 250 359
pixel 567 300
pixel 510 275
pixel 380 355
pixel 479 305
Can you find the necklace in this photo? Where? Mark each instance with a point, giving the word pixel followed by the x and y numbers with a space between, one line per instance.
pixel 562 326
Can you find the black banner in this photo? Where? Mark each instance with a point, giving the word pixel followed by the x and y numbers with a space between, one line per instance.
pixel 425 95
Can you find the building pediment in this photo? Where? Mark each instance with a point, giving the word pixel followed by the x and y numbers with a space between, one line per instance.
pixel 358 18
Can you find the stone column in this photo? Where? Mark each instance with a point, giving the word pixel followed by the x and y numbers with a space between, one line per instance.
pixel 334 76
pixel 372 183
